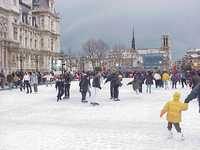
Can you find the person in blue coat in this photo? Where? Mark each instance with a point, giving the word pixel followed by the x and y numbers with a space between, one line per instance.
pixel 111 78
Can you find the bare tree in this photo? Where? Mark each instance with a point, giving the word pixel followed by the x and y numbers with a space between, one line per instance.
pixel 96 51
pixel 117 53
pixel 102 49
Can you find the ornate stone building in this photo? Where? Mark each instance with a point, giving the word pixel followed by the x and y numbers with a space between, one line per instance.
pixel 29 35
pixel 191 60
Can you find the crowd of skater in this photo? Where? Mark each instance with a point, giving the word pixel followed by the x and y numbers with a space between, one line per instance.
pixel 30 80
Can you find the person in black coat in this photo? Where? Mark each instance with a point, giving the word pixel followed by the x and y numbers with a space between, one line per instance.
pixel 84 85
pixel 195 93
pixel 135 85
pixel 60 87
pixel 111 78
pixel 195 79
pixel 117 84
pixel 140 77
pixel 96 84
pixel 149 81
pixel 67 83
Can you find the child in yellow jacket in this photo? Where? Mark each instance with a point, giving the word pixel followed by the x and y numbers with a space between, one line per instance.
pixel 173 109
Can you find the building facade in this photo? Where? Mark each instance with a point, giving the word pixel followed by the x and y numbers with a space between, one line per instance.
pixel 29 35
pixel 142 58
pixel 191 60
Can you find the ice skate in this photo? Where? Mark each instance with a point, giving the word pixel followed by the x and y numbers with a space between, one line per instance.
pixel 181 136
pixel 170 135
pixel 84 101
pixel 94 103
pixel 116 99
pixel 66 97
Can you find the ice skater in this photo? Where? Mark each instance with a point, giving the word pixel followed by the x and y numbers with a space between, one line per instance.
pixel 149 81
pixel 84 85
pixel 96 84
pixel 195 93
pixel 27 81
pixel 173 109
pixel 117 84
pixel 135 84
pixel 111 78
pixel 67 84
pixel 60 87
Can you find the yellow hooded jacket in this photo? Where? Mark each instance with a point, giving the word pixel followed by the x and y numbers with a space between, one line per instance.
pixel 174 108
pixel 165 77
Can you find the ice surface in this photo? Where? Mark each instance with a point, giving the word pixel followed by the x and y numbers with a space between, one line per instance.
pixel 38 122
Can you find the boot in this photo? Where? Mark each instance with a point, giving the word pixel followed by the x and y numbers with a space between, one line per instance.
pixel 181 136
pixel 116 99
pixel 170 135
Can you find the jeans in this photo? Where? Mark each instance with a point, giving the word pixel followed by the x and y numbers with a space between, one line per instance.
pixel 176 125
pixel 28 86
pixel 165 84
pixel 35 87
pixel 148 88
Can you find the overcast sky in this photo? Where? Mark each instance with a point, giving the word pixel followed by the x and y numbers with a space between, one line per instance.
pixel 113 20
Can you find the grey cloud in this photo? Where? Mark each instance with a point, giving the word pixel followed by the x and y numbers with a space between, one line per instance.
pixel 112 20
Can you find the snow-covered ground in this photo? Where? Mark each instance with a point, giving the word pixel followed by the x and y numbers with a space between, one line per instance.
pixel 38 122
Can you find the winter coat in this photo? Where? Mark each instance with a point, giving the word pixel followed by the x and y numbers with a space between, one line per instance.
pixel 135 84
pixel 117 83
pixel 195 93
pixel 84 84
pixel 111 78
pixel 195 80
pixel 34 79
pixel 59 84
pixel 2 76
pixel 96 82
pixel 157 76
pixel 141 77
pixel 9 78
pixel 174 108
pixel 175 77
pixel 183 75
pixel 149 79
pixel 26 78
pixel 48 77
pixel 165 77
pixel 67 80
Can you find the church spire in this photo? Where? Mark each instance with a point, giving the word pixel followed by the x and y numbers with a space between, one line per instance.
pixel 133 40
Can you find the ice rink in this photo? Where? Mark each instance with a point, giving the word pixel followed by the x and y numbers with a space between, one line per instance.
pixel 38 122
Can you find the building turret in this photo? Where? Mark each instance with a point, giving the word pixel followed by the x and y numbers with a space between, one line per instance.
pixel 166 48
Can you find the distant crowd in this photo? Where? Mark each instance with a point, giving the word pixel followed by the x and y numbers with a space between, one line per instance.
pixel 161 79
